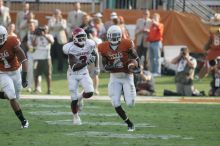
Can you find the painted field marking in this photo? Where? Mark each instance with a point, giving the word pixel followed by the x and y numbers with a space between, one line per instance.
pixel 57 106
pixel 70 122
pixel 44 106
pixel 125 136
pixel 58 113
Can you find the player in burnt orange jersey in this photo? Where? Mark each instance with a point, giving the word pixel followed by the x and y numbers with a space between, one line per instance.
pixel 11 81
pixel 212 48
pixel 116 53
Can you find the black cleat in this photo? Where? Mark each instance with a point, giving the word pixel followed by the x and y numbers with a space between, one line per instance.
pixel 131 127
pixel 25 124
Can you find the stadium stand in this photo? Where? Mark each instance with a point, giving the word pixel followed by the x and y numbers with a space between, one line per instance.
pixel 194 35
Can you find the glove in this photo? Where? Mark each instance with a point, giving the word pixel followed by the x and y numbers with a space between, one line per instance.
pixel 24 79
pixel 136 70
pixel 91 60
pixel 109 67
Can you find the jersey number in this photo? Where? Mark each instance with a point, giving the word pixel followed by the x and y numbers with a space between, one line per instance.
pixel 83 59
pixel 216 40
pixel 6 64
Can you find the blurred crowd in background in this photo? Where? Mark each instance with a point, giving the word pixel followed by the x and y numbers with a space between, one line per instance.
pixel 58 32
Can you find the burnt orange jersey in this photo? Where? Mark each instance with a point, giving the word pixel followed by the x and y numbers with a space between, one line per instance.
pixel 8 58
pixel 119 56
pixel 215 38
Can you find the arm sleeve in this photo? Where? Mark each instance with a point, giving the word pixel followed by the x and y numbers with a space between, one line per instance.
pixel 65 49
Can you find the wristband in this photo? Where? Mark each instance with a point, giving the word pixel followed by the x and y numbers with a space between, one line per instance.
pixel 24 75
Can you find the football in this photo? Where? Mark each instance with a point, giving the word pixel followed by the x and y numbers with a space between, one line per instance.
pixel 132 64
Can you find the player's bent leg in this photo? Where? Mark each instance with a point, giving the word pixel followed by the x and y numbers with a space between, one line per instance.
pixel 130 93
pixel 87 95
pixel 114 92
pixel 18 112
pixel 2 95
pixel 9 84
pixel 74 108
pixel 124 117
pixel 87 85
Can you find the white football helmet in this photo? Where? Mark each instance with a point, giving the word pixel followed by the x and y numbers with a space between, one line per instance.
pixel 79 36
pixel 114 35
pixel 3 35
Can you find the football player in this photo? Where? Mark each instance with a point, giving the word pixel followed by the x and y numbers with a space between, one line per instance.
pixel 212 50
pixel 11 80
pixel 81 52
pixel 116 53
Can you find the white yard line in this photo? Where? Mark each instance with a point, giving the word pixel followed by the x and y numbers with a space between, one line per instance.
pixel 70 122
pixel 126 136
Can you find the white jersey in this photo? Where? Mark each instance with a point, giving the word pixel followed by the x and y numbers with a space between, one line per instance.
pixel 82 54
pixel 42 50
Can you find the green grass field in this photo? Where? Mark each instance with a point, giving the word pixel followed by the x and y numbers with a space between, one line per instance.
pixel 156 125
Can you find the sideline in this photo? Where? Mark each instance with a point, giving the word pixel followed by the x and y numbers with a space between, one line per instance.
pixel 139 99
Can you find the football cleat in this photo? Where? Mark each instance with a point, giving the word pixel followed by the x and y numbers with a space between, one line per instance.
pixel 76 120
pixel 131 128
pixel 25 124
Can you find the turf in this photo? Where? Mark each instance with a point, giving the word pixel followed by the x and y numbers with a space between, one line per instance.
pixel 157 124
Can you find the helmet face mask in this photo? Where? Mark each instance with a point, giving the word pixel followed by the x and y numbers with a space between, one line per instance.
pixel 114 35
pixel 3 35
pixel 81 39
pixel 79 36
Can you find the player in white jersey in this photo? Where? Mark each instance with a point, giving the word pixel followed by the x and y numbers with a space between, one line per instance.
pixel 81 52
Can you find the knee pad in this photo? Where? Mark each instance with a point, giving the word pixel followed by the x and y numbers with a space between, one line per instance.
pixel 131 103
pixel 87 95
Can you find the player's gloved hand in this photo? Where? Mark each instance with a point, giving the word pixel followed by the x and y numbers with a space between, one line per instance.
pixel 96 70
pixel 137 70
pixel 91 60
pixel 24 79
pixel 108 67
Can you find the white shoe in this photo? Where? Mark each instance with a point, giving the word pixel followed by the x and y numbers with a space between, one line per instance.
pixel 76 120
pixel 39 90
pixel 131 128
pixel 80 105
pixel 25 125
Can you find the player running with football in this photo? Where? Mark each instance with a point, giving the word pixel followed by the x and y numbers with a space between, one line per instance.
pixel 11 81
pixel 119 58
pixel 81 52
